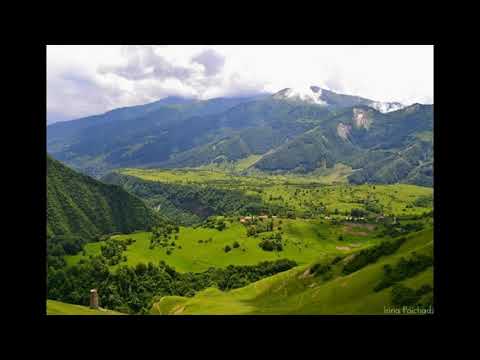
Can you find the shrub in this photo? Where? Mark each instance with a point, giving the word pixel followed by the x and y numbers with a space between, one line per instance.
pixel 236 244
pixel 336 260
pixel 271 245
pixel 404 296
pixel 227 248
pixel 319 269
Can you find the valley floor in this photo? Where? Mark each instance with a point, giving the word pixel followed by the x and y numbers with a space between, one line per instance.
pixel 316 229
pixel 304 241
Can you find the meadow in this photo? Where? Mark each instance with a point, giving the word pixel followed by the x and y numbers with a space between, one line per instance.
pixel 307 194
pixel 304 241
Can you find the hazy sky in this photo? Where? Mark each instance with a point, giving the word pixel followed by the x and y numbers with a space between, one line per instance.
pixel 88 80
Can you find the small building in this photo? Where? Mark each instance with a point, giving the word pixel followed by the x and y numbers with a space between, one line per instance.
pixel 94 299
pixel 246 219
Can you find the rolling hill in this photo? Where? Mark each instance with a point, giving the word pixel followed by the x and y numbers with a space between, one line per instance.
pixel 315 289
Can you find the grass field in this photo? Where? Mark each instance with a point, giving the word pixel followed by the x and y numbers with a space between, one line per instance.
pixel 302 194
pixel 304 241
pixel 61 308
pixel 219 174
pixel 393 199
pixel 297 292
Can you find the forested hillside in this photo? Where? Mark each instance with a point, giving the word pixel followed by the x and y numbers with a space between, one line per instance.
pixel 81 206
pixel 188 204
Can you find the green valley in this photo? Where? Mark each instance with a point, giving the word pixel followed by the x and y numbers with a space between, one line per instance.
pixel 300 202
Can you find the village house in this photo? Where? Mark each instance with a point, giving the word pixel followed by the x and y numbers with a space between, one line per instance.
pixel 245 219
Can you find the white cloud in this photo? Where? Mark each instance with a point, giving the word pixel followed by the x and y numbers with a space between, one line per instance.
pixel 86 80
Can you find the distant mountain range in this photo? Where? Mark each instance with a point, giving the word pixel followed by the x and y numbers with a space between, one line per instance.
pixel 293 130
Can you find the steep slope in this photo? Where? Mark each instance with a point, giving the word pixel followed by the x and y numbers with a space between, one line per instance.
pixel 306 290
pixel 383 148
pixel 186 204
pixel 80 205
pixel 132 135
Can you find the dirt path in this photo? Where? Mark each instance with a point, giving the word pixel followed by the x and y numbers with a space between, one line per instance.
pixel 178 309
pixel 351 228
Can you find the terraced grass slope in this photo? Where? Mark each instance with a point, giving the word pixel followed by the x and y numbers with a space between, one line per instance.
pixel 298 291
pixel 80 205
pixel 61 308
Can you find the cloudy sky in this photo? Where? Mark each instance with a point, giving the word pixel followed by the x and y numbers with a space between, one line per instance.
pixel 88 80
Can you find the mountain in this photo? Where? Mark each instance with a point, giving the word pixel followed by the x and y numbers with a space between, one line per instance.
pixel 293 130
pixel 323 97
pixel 382 148
pixel 82 206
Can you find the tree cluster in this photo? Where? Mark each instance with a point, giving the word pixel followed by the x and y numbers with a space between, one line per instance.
pixel 404 269
pixel 371 255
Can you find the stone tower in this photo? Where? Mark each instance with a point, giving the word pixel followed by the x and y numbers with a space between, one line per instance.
pixel 94 299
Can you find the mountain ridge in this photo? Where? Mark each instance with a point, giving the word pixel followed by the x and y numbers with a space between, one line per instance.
pixel 190 133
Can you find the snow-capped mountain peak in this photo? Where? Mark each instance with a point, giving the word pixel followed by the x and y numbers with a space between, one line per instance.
pixel 318 96
pixel 385 107
pixel 311 94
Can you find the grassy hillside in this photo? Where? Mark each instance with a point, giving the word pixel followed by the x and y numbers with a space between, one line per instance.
pixel 80 205
pixel 302 291
pixel 61 308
